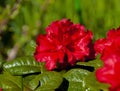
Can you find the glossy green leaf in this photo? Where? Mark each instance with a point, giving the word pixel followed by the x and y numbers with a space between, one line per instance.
pixel 27 79
pixel 47 81
pixel 22 65
pixel 10 83
pixel 94 63
pixel 76 75
pixel 76 78
pixel 93 85
pixel 83 80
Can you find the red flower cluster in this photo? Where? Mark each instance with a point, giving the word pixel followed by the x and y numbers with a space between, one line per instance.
pixel 109 48
pixel 63 44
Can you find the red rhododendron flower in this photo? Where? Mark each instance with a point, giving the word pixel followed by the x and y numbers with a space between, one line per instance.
pixel 109 48
pixel 63 44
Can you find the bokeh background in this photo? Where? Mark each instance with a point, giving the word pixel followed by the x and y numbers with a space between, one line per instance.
pixel 22 20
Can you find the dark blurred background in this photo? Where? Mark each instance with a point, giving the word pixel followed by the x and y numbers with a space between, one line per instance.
pixel 22 20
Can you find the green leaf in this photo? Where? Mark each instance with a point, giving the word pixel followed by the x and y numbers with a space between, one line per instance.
pixel 10 83
pixel 76 78
pixel 48 81
pixel 83 80
pixel 94 63
pixel 27 79
pixel 76 86
pixel 76 75
pixel 46 89
pixel 30 48
pixel 22 65
pixel 93 85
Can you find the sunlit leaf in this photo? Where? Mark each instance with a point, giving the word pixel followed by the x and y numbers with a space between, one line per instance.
pixel 22 66
pixel 83 80
pixel 47 81
pixel 76 78
pixel 27 79
pixel 10 83
pixel 93 85
pixel 93 63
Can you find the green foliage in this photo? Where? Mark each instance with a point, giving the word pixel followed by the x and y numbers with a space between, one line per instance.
pixel 25 74
pixel 96 63
pixel 22 20
pixel 100 15
pixel 47 81
pixel 22 66
pixel 83 80
pixel 30 48
pixel 10 83
pixel 76 79
pixel 93 85
pixel 34 75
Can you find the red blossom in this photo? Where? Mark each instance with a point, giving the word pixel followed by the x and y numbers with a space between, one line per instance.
pixel 109 48
pixel 63 44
